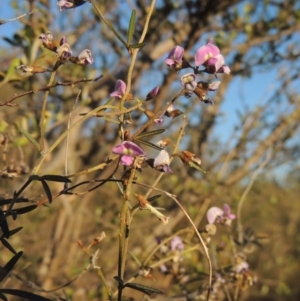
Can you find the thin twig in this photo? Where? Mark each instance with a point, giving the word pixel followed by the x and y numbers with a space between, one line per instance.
pixel 14 19
pixel 246 191
pixel 65 84
pixel 68 136
pixel 173 197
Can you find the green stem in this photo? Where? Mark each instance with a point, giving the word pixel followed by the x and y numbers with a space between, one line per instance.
pixel 43 113
pixel 63 135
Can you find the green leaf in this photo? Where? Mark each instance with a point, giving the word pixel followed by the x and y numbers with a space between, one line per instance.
pixel 148 144
pixel 151 133
pixel 131 27
pixel 194 165
pixel 139 45
pixel 143 288
pixel 23 294
pixel 30 138
pixel 56 178
pixel 109 25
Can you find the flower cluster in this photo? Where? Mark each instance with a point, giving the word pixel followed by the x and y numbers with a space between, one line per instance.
pixel 129 151
pixel 210 58
pixel 64 51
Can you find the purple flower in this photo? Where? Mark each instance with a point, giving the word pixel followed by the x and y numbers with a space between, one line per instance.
pixel 85 57
pixel 217 215
pixel 159 120
pixel 63 40
pixel 128 151
pixel 213 214
pixel 216 65
pixel 47 40
pixel 162 162
pixel 241 267
pixel 68 4
pixel 64 52
pixel 209 56
pixel 227 212
pixel 206 52
pixel 152 93
pixel 177 244
pixel 174 58
pixel 120 88
pixel 189 81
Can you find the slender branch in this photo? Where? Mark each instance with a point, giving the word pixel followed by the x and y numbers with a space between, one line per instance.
pixel 173 197
pixel 65 84
pixel 14 19
pixel 68 136
pixel 246 191
pixel 43 114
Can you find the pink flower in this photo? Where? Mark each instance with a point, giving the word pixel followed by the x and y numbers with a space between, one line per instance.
pixel 206 52
pixel 217 215
pixel 120 88
pixel 227 212
pixel 68 4
pixel 152 93
pixel 209 56
pixel 174 58
pixel 128 151
pixel 177 244
pixel 213 214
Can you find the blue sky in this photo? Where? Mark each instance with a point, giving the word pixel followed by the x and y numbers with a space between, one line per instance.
pixel 242 91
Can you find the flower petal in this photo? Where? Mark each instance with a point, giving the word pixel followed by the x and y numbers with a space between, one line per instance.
pixel 213 213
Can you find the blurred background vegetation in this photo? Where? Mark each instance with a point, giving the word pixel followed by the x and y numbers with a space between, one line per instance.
pixel 256 37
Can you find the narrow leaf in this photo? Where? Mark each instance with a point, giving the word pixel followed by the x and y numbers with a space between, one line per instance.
pixel 7 245
pixel 34 178
pixel 23 294
pixel 139 45
pixel 151 133
pixel 23 210
pixel 119 280
pixel 153 198
pixel 4 224
pixel 8 267
pixel 14 231
pixel 2 297
pixel 143 288
pixel 109 25
pixel 30 138
pixel 131 27
pixel 148 144
pixel 47 190
pixel 56 178
pixel 193 165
